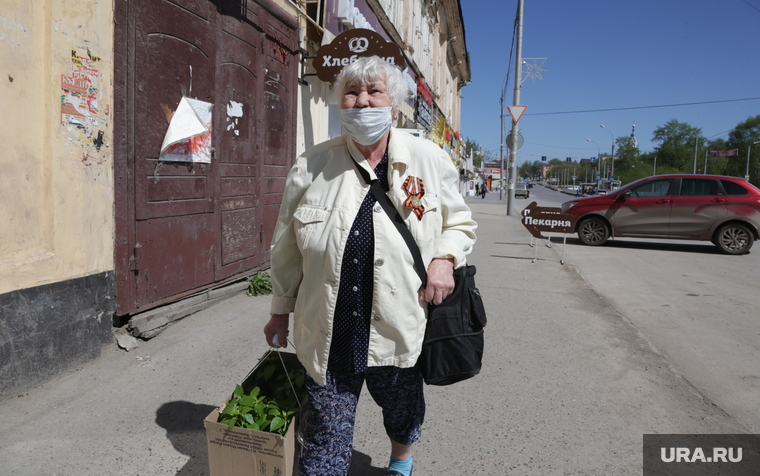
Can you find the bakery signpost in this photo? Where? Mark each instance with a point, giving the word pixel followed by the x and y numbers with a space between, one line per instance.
pixel 350 46
pixel 548 219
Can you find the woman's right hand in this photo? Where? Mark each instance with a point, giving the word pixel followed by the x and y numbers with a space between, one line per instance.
pixel 277 325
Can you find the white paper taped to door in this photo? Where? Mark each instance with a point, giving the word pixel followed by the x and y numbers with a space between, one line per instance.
pixel 188 138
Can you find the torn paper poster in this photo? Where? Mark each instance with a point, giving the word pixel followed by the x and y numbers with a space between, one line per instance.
pixel 189 136
pixel 234 112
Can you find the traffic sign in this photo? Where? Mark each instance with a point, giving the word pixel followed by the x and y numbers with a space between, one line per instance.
pixel 520 141
pixel 516 112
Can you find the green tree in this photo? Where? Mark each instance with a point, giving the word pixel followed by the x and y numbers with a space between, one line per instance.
pixel 530 170
pixel 677 141
pixel 742 137
pixel 745 132
pixel 625 159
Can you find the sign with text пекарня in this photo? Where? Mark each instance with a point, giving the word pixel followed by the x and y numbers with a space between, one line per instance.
pixel 551 219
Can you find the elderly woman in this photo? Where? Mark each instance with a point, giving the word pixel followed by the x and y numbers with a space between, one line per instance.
pixel 344 271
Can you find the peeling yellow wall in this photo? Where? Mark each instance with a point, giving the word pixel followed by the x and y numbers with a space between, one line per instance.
pixel 56 166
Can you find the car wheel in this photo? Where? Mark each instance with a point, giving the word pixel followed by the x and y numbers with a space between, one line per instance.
pixel 593 231
pixel 734 239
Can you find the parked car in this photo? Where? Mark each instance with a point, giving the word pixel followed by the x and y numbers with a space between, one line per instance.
pixel 724 210
pixel 521 190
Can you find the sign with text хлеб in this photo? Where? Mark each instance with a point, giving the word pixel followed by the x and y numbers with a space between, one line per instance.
pixel 351 45
pixel 550 219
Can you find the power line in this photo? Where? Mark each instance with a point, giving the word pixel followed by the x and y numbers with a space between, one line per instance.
pixel 758 9
pixel 640 107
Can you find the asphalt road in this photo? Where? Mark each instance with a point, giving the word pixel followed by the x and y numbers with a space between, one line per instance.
pixel 695 305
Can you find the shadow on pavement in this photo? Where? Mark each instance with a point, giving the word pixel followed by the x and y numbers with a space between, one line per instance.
pixel 530 258
pixel 703 247
pixel 361 465
pixel 183 422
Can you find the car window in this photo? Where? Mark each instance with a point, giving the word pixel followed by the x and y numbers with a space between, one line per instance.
pixel 691 187
pixel 733 188
pixel 655 188
pixel 520 186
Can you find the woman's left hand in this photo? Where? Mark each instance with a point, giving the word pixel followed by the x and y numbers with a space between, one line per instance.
pixel 440 281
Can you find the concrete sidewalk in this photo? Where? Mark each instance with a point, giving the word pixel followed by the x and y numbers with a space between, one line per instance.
pixel 568 386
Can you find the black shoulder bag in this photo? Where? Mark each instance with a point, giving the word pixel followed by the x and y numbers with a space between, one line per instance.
pixel 452 350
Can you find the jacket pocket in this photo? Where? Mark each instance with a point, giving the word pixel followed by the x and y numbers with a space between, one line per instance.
pixel 431 202
pixel 306 220
pixel 427 229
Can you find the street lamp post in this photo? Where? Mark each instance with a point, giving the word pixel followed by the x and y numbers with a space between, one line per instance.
pixel 598 154
pixel 612 157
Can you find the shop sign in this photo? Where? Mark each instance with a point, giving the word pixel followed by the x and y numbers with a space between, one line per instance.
pixel 350 46
pixel 424 114
pixel 424 91
pixel 550 219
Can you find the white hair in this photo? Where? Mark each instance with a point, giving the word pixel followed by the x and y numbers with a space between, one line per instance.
pixel 368 69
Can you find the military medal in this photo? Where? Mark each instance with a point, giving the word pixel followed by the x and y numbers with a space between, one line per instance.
pixel 414 189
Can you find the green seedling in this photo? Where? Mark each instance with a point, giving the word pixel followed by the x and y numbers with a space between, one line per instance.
pixel 270 405
pixel 259 284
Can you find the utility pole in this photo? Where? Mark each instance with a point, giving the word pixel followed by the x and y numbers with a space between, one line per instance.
pixel 515 102
pixel 746 170
pixel 501 146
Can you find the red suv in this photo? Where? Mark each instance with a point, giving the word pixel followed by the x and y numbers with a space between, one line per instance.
pixel 724 210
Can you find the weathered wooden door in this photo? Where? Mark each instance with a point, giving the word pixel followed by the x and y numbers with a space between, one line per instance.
pixel 190 226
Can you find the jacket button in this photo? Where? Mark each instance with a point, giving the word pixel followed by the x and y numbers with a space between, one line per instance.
pixel 379 262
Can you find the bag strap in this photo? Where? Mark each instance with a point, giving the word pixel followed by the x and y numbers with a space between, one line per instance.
pixel 397 219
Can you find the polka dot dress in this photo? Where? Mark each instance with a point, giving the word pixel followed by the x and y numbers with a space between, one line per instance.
pixel 350 343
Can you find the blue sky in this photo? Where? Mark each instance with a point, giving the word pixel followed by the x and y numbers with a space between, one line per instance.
pixel 611 54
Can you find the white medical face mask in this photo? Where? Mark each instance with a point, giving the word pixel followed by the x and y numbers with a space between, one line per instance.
pixel 366 125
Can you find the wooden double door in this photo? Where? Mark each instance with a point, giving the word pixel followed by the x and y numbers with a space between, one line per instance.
pixel 182 227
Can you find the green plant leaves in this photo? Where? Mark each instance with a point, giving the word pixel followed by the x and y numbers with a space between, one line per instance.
pixel 259 284
pixel 269 406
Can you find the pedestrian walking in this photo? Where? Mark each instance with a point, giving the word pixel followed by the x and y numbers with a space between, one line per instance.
pixel 477 189
pixel 342 268
pixel 483 191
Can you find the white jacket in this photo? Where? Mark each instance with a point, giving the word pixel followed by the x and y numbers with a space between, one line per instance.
pixel 322 196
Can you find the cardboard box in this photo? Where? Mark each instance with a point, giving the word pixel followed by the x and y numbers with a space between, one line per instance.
pixel 244 452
